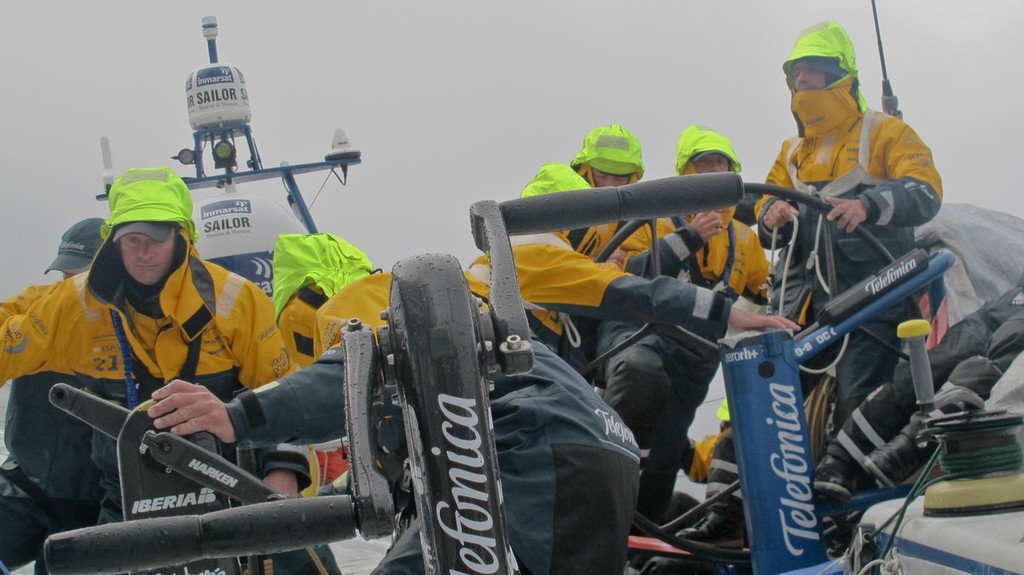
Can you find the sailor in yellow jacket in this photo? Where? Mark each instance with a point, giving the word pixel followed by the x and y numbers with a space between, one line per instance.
pixel 148 311
pixel 308 270
pixel 560 285
pixel 878 175
pixel 657 384
pixel 48 482
pixel 610 156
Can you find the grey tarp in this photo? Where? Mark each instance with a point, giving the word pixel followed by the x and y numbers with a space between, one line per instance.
pixel 989 250
pixel 1008 392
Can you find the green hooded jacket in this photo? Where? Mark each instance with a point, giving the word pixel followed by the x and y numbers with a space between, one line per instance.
pixel 323 259
pixel 554 177
pixel 826 39
pixel 612 150
pixel 699 139
pixel 150 195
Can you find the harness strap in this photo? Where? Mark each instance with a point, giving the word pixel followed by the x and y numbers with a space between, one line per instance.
pixel 16 475
pixel 312 297
pixel 137 377
pixel 851 179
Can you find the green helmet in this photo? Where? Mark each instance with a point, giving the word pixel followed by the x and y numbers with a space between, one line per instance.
pixel 150 195
pixel 554 177
pixel 697 140
pixel 825 40
pixel 612 150
pixel 322 259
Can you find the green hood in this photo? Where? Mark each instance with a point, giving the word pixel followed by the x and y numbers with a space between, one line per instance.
pixel 612 150
pixel 554 177
pixel 322 259
pixel 150 195
pixel 826 39
pixel 699 139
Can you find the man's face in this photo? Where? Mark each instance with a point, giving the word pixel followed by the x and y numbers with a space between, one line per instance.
pixel 603 180
pixel 807 78
pixel 712 163
pixel 148 261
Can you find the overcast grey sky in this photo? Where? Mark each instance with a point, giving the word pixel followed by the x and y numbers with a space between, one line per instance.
pixel 456 101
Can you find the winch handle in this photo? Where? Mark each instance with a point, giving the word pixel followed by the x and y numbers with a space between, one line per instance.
pixel 915 332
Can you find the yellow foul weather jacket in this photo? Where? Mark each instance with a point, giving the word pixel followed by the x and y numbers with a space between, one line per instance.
pixel 71 329
pixel 846 150
pixel 309 269
pixel 225 318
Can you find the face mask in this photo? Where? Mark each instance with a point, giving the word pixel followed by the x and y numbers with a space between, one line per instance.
pixel 822 111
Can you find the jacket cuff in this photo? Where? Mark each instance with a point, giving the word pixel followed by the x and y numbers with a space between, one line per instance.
pixel 871 208
pixel 764 210
pixel 254 414
pixel 290 457
pixel 691 238
pixel 721 308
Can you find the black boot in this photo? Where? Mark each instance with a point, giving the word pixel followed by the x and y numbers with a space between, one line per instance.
pixel 899 458
pixel 834 477
pixel 718 529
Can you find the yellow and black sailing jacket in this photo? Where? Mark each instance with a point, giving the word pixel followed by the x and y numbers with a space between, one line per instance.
pixel 732 261
pixel 228 318
pixel 71 330
pixel 848 153
pixel 297 323
pixel 557 279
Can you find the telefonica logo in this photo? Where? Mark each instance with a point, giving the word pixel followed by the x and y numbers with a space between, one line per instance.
pixel 790 463
pixel 71 245
pixel 614 427
pixel 463 514
pixel 891 275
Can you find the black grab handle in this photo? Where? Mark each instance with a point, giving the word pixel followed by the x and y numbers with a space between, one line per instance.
pixel 642 200
pixel 166 541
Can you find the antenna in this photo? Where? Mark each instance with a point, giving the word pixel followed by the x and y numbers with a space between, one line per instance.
pixel 108 163
pixel 341 147
pixel 890 103
pixel 210 33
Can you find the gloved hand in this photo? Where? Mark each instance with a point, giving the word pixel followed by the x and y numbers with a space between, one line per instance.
pixel 918 421
pixel 952 397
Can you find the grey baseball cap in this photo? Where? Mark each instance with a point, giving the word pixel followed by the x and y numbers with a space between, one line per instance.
pixel 159 231
pixel 78 245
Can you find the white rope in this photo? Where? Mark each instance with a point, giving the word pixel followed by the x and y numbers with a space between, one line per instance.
pixel 785 268
pixel 571 333
pixel 812 261
pixel 835 362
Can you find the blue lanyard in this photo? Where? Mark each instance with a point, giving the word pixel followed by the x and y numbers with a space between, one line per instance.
pixel 131 392
pixel 730 260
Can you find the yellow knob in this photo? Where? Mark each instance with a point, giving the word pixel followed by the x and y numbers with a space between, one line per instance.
pixel 913 328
